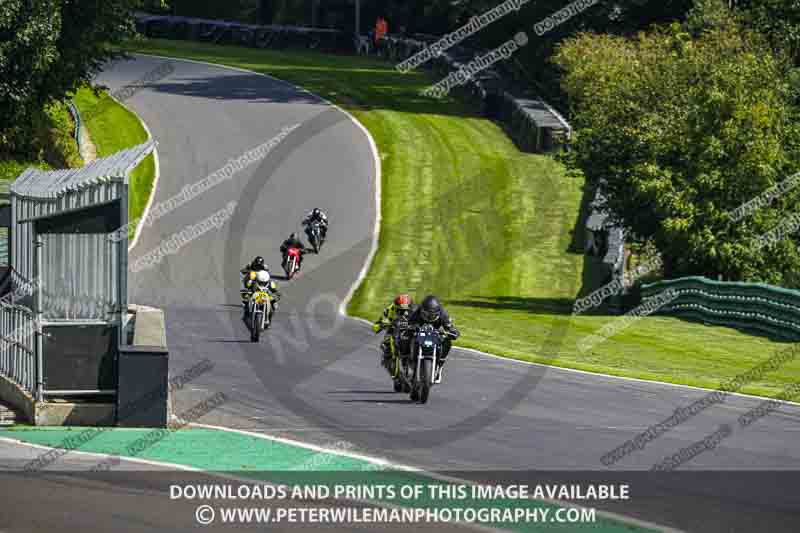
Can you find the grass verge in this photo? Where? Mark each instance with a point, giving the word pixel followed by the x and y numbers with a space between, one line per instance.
pixel 52 145
pixel 491 230
pixel 114 128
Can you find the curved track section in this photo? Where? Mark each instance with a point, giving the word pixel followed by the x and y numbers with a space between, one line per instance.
pixel 315 376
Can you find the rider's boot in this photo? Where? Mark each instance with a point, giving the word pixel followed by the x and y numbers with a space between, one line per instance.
pixel 386 356
pixel 437 377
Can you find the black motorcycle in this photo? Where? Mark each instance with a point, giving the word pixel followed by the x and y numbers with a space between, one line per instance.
pixel 426 350
pixel 315 236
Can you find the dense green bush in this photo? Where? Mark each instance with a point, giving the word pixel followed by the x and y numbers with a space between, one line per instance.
pixel 49 48
pixel 686 123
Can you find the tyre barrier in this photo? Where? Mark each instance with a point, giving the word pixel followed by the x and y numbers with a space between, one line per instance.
pixel 757 307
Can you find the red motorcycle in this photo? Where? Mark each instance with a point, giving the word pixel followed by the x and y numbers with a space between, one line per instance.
pixel 292 263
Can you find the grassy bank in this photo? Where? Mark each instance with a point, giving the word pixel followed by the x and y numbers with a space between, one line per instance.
pixel 490 229
pixel 114 128
pixel 52 145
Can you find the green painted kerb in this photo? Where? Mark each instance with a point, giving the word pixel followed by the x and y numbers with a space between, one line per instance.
pixel 278 462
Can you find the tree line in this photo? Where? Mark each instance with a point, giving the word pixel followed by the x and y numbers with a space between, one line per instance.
pixel 682 110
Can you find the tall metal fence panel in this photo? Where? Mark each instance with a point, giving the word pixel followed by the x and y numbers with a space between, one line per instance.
pixel 26 206
pixel 17 345
pixel 74 288
pixel 69 238
pixel 758 307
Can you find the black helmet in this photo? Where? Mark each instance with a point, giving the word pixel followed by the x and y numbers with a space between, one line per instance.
pixel 316 212
pixel 293 237
pixel 431 309
pixel 258 263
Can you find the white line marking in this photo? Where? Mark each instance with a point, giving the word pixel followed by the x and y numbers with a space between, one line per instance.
pixel 448 479
pixel 599 374
pixel 243 480
pixel 157 172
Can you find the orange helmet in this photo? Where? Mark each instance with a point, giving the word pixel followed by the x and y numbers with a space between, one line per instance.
pixel 403 301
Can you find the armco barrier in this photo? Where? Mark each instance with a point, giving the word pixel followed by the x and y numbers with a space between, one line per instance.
pixel 605 237
pixel 751 306
pixel 76 116
pixel 533 124
pixel 237 33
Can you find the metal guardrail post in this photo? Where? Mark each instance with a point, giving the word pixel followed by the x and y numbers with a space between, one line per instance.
pixel 38 243
pixel 122 277
pixel 12 241
pixel 76 116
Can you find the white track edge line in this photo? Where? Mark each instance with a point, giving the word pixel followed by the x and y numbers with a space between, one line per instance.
pixel 157 172
pixel 565 369
pixel 99 455
pixel 433 475
pixel 211 473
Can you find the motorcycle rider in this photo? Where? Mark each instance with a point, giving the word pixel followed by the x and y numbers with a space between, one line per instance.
pixel 262 280
pixel 430 311
pixel 401 307
pixel 252 275
pixel 316 215
pixel 256 265
pixel 292 242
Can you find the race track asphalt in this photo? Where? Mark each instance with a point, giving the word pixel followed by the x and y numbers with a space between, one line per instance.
pixel 315 376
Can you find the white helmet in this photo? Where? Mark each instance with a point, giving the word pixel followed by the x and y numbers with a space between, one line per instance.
pixel 262 277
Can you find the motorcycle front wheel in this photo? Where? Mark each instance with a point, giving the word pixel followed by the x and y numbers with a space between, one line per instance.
pixel 425 380
pixel 255 327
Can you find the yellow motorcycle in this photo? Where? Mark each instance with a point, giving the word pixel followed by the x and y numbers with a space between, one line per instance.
pixel 260 313
pixel 258 307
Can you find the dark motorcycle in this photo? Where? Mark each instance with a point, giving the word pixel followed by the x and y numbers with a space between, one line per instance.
pixel 426 349
pixel 315 236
